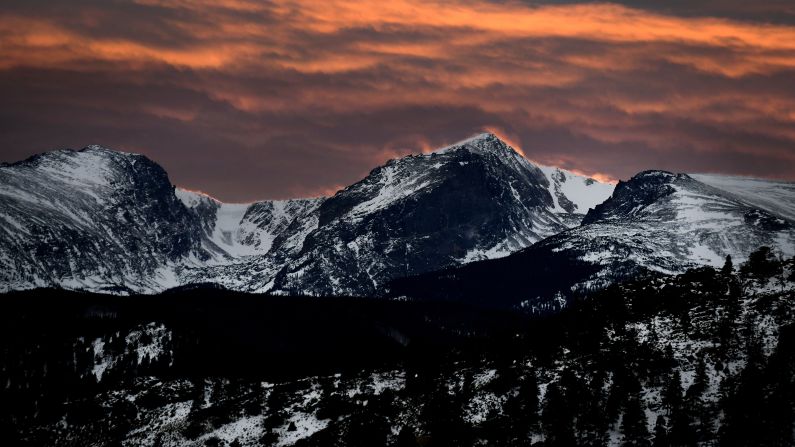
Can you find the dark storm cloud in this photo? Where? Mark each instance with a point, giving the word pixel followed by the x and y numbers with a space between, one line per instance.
pixel 249 100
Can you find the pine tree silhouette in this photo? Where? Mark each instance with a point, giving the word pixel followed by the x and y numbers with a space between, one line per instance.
pixel 660 433
pixel 728 266
pixel 633 424
pixel 556 418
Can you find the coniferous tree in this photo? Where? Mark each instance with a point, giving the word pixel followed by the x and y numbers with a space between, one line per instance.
pixel 528 392
pixel 521 410
pixel 194 427
pixel 758 402
pixel 672 393
pixel 743 406
pixel 616 395
pixel 728 266
pixel 779 412
pixel 197 385
pixel 366 429
pixel 406 437
pixel 681 432
pixel 443 416
pixel 700 379
pixel 633 424
pixel 253 406
pixel 660 433
pixel 595 420
pixel 696 406
pixel 556 419
pixel 762 263
pixel 269 437
pixel 578 393
pixel 670 360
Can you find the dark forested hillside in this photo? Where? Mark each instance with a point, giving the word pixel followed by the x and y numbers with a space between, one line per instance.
pixel 702 358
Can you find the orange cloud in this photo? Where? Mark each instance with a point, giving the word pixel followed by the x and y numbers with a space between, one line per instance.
pixel 485 22
pixel 375 80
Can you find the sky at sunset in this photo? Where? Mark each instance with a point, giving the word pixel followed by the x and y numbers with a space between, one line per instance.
pixel 275 99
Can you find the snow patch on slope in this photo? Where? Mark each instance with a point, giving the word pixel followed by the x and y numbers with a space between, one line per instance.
pixel 776 197
pixel 391 190
pixel 583 192
pixel 192 199
pixel 227 229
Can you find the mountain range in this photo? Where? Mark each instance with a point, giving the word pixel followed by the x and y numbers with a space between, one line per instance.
pixel 106 221
pixel 655 223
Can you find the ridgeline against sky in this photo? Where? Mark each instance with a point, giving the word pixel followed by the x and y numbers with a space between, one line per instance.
pixel 255 99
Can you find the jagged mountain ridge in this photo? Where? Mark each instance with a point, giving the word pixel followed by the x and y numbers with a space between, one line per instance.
pixel 478 199
pixel 656 221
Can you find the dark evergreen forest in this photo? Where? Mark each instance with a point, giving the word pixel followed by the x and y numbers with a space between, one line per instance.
pixel 702 358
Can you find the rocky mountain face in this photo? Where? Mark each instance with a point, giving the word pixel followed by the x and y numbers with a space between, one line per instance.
pixel 477 199
pixel 106 221
pixel 92 219
pixel 238 230
pixel 670 222
pixel 101 220
pixel 657 221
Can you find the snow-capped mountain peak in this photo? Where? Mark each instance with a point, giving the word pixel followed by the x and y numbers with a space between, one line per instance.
pixel 475 199
pixel 657 221
pixel 669 222
pixel 103 220
pixel 95 219
pixel 571 193
pixel 476 143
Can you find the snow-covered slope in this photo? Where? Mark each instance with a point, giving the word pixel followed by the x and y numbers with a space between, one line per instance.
pixel 656 221
pixel 102 220
pixel 776 197
pixel 671 222
pixel 92 219
pixel 476 199
pixel 238 230
pixel 574 194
